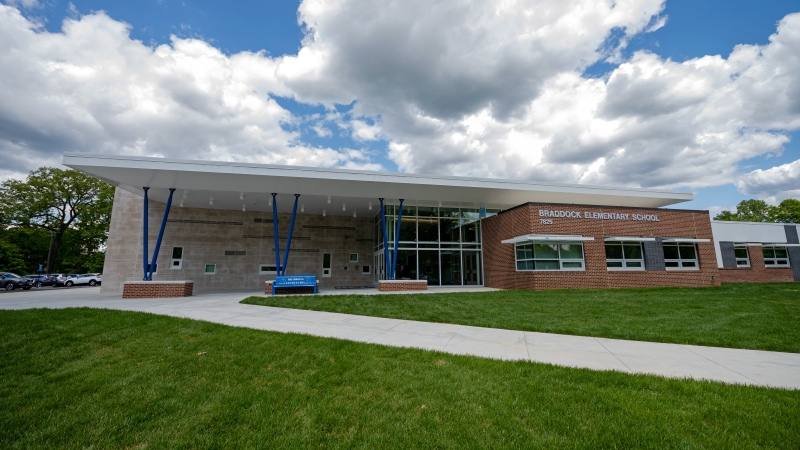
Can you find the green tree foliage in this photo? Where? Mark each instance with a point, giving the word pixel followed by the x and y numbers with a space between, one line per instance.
pixel 11 258
pixel 67 205
pixel 788 211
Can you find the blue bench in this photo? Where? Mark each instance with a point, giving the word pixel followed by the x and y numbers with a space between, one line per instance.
pixel 295 281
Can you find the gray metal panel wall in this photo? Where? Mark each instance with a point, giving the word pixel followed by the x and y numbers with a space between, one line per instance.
pixel 794 252
pixel 728 256
pixel 654 255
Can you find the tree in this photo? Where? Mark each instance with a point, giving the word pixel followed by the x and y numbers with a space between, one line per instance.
pixel 788 211
pixel 57 200
pixel 11 258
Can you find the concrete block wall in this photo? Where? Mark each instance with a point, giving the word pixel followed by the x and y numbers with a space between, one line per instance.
pixel 499 259
pixel 207 234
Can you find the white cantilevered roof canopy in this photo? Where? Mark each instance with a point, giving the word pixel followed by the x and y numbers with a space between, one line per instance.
pixel 233 185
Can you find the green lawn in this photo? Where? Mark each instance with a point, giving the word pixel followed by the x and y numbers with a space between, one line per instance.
pixel 745 315
pixel 83 378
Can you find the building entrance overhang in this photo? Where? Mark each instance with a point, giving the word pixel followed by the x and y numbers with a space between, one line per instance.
pixel 237 186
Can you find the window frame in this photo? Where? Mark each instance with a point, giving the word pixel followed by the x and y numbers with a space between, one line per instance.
pixel 776 260
pixel 625 260
pixel 205 269
pixel 680 260
pixel 351 257
pixel 741 246
pixel 368 271
pixel 179 260
pixel 561 260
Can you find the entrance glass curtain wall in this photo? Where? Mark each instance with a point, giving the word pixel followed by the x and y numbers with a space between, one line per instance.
pixel 437 244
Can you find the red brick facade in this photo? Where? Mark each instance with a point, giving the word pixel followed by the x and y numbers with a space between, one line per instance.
pixel 402 285
pixel 155 289
pixel 500 264
pixel 757 272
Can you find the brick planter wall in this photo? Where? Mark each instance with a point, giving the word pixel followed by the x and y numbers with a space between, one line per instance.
pixel 157 289
pixel 402 285
pixel 757 272
pixel 500 264
pixel 288 291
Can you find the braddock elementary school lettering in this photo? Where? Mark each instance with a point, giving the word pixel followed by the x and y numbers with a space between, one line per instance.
pixel 597 215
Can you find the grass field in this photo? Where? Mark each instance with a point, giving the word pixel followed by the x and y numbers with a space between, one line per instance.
pixel 109 379
pixel 744 315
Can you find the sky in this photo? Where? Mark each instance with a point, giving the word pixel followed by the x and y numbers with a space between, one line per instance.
pixel 687 95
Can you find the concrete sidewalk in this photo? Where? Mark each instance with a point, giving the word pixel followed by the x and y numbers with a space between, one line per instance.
pixel 753 367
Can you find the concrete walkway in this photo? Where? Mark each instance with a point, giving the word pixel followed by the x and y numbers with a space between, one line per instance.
pixel 753 367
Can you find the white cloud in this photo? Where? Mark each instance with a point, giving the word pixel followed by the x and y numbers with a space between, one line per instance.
pixel 773 184
pixel 92 88
pixel 485 89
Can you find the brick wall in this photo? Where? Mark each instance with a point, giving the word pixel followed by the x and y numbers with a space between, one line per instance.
pixel 404 285
pixel 157 290
pixel 207 234
pixel 499 261
pixel 757 272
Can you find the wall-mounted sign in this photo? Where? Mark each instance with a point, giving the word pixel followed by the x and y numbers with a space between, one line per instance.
pixel 597 215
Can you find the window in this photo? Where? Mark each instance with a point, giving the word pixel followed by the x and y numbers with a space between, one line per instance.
pixel 268 269
pixel 155 268
pixel 742 255
pixel 776 257
pixel 550 256
pixel 679 256
pixel 177 258
pixel 366 270
pixel 210 269
pixel 326 265
pixel 624 255
pixel 353 257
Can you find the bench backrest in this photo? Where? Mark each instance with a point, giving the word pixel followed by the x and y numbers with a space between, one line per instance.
pixel 296 281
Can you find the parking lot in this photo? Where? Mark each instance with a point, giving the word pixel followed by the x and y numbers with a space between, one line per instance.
pixel 47 288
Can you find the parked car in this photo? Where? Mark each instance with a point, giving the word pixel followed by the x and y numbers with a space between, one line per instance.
pixel 87 278
pixel 42 280
pixel 10 281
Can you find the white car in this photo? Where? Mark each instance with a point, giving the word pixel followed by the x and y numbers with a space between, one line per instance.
pixel 89 278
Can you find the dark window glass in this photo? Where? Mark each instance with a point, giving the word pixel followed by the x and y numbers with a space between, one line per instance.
pixel 633 263
pixel 449 230
pixel 177 252
pixel 545 251
pixel 613 263
pixel 740 252
pixel 428 230
pixel 406 265
pixel 428 211
pixel 780 252
pixel 614 251
pixel 571 265
pixel 768 252
pixel 408 229
pixel 670 252
pixel 688 252
pixel 546 265
pixel 524 265
pixel 571 251
pixel 633 251
pixel 471 232
pixel 429 267
pixel 448 212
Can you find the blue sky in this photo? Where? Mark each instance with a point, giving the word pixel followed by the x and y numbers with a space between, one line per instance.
pixel 693 29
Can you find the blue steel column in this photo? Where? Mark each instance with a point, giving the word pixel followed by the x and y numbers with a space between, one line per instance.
pixel 160 235
pixel 144 236
pixel 275 227
pixel 397 236
pixel 385 243
pixel 289 238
